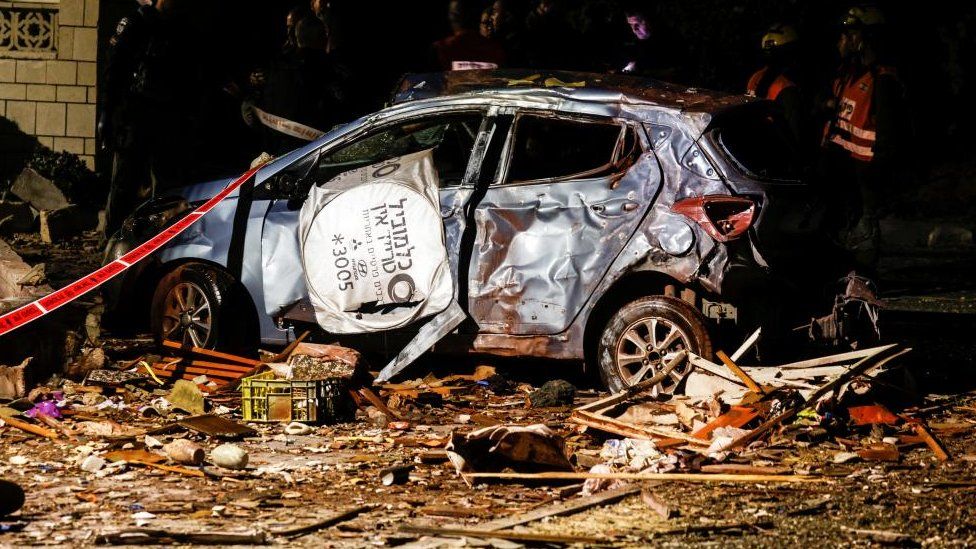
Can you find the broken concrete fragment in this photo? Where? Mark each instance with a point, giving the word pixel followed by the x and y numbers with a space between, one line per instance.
pixel 229 456
pixel 92 464
pixel 66 223
pixel 553 393
pixel 36 276
pixel 377 417
pixel 39 191
pixel 185 451
pixel 12 381
pixel 13 270
pixel 90 360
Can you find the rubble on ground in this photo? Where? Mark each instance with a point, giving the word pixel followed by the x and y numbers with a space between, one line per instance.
pixel 137 453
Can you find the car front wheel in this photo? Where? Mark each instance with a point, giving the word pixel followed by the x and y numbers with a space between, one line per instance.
pixel 196 305
pixel 644 335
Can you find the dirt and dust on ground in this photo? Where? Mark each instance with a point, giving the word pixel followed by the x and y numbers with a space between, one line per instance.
pixel 164 445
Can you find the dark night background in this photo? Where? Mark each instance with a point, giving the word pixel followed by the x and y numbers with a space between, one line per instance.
pixel 932 42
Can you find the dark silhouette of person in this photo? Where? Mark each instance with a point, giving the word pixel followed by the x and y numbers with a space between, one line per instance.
pixel 507 22
pixel 466 48
pixel 306 88
pixel 865 136
pixel 778 79
pixel 654 52
pixel 167 84
pixel 118 130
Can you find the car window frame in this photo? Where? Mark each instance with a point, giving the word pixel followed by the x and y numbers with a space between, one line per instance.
pixel 368 129
pixel 501 178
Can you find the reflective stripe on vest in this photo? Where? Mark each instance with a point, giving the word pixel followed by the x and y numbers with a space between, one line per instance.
pixel 853 127
pixel 781 83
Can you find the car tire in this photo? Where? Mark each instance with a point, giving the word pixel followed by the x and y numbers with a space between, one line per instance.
pixel 676 324
pixel 203 307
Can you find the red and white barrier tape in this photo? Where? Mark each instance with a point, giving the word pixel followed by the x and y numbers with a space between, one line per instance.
pixel 288 127
pixel 36 309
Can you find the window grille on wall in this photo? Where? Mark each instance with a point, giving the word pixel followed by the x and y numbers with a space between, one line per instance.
pixel 28 31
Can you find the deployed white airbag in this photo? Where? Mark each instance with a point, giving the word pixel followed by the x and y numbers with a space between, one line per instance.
pixel 373 250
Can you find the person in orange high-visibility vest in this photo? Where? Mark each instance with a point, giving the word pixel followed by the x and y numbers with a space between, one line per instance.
pixel 777 80
pixel 862 137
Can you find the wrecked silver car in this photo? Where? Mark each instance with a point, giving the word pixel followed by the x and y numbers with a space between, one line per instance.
pixel 577 216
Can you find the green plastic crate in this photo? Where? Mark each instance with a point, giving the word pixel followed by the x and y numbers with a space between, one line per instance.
pixel 266 398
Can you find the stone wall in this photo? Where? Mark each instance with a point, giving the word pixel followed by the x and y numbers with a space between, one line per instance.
pixel 48 52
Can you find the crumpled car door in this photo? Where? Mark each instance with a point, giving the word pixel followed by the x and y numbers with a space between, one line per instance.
pixel 545 238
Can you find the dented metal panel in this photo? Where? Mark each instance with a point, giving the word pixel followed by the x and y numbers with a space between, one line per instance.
pixel 543 248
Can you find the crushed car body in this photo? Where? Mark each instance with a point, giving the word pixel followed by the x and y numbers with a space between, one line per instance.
pixel 613 219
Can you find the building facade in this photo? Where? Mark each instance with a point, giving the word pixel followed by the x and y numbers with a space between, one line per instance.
pixel 48 69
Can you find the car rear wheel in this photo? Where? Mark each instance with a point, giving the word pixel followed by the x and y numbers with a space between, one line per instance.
pixel 644 335
pixel 198 306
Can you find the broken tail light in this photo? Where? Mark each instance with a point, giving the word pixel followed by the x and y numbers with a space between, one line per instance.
pixel 723 217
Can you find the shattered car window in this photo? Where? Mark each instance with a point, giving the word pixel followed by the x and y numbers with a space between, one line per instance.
pixel 451 137
pixel 552 148
pixel 760 143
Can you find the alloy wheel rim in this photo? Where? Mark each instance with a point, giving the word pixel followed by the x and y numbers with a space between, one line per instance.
pixel 187 315
pixel 645 347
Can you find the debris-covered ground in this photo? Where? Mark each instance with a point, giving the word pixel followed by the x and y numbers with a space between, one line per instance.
pixel 862 468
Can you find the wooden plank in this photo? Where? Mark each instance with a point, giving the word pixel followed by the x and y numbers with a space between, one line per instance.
pixel 30 428
pixel 56 425
pixel 741 469
pixel 283 355
pixel 750 383
pixel 834 359
pixel 746 345
pixel 170 371
pixel 712 368
pixel 230 368
pixel 880 452
pixel 713 528
pixel 933 443
pixel 142 536
pixel 376 401
pixel 737 416
pixel 687 477
pixel 665 443
pixel 498 534
pixel 212 354
pixel 560 509
pixel 171 468
pixel 168 375
pixel 634 389
pixel 342 516
pixel 863 366
pixel 610 425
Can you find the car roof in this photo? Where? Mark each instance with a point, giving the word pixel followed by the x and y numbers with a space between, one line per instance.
pixel 581 86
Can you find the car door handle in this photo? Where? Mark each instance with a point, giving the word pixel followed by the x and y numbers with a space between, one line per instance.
pixel 615 207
